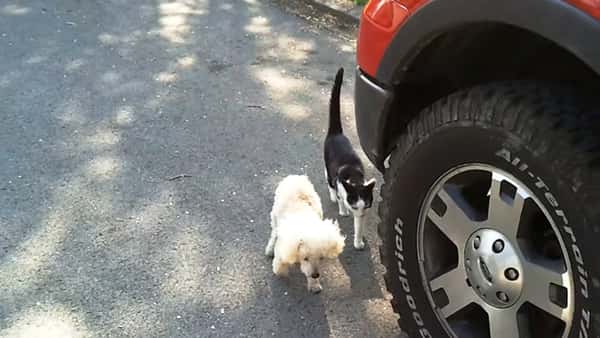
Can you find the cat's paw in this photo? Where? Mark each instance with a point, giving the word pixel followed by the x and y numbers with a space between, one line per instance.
pixel 359 244
pixel 333 196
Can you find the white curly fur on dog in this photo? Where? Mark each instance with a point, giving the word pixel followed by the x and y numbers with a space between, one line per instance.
pixel 298 232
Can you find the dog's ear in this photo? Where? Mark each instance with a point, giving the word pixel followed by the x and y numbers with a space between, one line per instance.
pixel 290 250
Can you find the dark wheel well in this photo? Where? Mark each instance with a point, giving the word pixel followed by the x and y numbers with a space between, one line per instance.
pixel 475 54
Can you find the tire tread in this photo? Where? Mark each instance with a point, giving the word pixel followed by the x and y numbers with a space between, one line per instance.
pixel 550 120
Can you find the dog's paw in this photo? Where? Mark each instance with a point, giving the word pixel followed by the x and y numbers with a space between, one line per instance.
pixel 314 285
pixel 316 288
pixel 359 244
pixel 280 269
pixel 282 272
pixel 269 252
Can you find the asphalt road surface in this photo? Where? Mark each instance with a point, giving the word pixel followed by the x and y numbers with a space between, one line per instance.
pixel 140 145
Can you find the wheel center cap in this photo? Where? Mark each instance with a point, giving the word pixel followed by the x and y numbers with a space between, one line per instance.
pixel 493 268
pixel 485 271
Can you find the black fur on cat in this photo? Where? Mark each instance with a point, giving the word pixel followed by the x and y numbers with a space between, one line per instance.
pixel 344 169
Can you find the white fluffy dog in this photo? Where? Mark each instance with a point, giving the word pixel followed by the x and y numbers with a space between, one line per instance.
pixel 298 232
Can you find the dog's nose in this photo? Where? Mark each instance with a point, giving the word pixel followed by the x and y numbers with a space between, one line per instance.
pixel 315 275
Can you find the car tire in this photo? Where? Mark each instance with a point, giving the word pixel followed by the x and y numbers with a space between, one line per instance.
pixel 538 146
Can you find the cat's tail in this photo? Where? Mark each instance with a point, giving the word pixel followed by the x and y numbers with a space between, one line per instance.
pixel 335 123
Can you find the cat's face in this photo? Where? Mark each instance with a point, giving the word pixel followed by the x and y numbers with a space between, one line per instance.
pixel 357 196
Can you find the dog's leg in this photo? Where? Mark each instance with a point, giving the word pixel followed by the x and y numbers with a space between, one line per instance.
pixel 271 245
pixel 314 285
pixel 280 268
pixel 359 243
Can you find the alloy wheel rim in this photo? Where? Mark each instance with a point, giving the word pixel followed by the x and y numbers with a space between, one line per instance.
pixel 482 260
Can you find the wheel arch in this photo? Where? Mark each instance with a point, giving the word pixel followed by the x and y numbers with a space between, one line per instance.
pixel 450 45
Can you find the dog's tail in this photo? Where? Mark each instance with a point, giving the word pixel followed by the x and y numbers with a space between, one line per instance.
pixel 335 123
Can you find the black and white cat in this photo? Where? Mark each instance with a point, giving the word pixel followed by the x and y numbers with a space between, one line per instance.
pixel 344 170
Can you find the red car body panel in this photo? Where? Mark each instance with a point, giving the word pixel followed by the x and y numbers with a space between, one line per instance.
pixel 592 7
pixel 379 23
pixel 381 19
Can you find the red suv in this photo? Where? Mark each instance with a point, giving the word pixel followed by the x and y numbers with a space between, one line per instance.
pixel 484 118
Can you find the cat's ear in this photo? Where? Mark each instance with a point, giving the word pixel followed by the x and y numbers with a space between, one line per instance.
pixel 370 184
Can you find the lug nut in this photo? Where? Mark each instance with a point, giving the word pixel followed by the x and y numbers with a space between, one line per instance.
pixel 477 242
pixel 511 274
pixel 502 296
pixel 498 246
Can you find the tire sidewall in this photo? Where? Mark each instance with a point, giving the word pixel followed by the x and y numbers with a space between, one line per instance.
pixel 414 172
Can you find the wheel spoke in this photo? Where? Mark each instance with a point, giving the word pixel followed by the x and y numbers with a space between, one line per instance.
pixel 537 292
pixel 504 214
pixel 455 223
pixel 455 285
pixel 500 270
pixel 503 323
